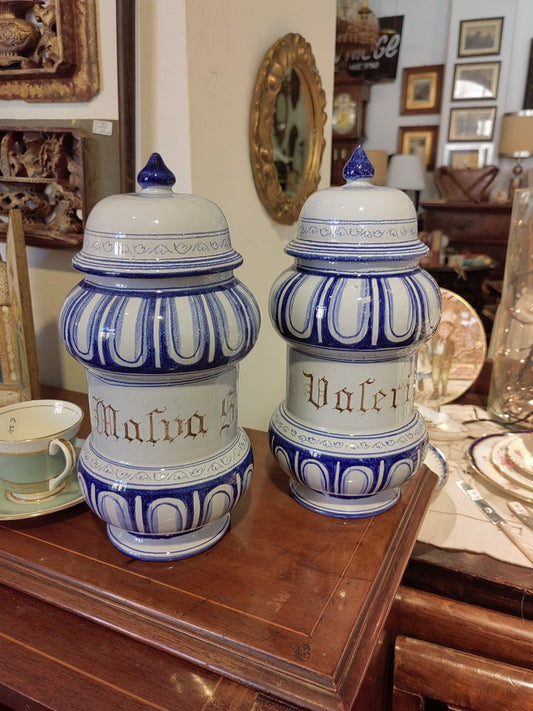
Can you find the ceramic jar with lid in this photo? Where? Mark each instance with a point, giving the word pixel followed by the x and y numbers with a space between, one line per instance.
pixel 354 309
pixel 161 323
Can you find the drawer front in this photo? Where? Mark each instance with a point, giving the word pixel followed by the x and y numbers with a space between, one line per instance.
pixel 460 225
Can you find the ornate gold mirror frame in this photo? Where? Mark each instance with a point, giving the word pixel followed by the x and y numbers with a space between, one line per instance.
pixel 289 59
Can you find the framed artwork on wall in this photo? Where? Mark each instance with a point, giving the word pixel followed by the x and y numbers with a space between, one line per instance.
pixel 467 155
pixel 42 173
pixel 420 140
pixel 472 124
pixel 421 90
pixel 49 51
pixel 480 37
pixel 528 91
pixel 476 80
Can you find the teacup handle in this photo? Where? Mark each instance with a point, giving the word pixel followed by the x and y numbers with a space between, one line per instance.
pixel 70 457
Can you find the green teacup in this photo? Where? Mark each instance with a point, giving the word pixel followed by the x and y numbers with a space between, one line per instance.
pixel 37 451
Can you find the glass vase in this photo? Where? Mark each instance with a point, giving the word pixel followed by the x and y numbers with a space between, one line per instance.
pixel 511 388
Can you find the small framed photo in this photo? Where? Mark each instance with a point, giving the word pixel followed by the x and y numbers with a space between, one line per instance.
pixel 480 37
pixel 476 80
pixel 421 90
pixel 528 91
pixel 420 140
pixel 468 155
pixel 472 124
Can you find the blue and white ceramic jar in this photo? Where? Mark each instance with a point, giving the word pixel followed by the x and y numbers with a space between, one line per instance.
pixel 161 323
pixel 354 310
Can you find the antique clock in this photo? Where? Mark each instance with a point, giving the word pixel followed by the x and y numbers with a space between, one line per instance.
pixel 350 100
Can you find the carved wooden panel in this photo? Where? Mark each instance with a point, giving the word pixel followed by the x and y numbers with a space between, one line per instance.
pixel 48 50
pixel 42 174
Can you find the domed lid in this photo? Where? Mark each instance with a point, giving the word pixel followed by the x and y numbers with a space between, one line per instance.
pixel 358 221
pixel 156 232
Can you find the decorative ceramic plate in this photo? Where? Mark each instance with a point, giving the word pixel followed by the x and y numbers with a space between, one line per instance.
pixel 69 496
pixel 480 457
pixel 502 462
pixel 452 360
pixel 520 452
pixel 436 461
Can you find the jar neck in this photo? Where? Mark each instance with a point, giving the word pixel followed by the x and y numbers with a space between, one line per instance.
pixel 140 284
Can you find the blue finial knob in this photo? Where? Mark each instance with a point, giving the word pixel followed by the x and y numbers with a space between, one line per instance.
pixel 156 174
pixel 358 166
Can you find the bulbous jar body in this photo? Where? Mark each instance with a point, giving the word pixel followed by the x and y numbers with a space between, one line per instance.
pixel 161 323
pixel 354 310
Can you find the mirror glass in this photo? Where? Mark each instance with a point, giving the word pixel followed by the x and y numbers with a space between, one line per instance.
pixel 287 128
pixel 290 135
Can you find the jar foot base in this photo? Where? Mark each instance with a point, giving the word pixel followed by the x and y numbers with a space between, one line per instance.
pixel 169 547
pixel 343 506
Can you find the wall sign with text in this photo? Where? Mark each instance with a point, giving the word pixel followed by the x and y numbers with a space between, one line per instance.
pixel 382 63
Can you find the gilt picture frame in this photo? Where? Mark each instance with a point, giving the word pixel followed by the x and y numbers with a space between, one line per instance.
pixel 420 140
pixel 480 37
pixel 422 90
pixel 468 155
pixel 50 53
pixel 475 123
pixel 19 369
pixel 476 81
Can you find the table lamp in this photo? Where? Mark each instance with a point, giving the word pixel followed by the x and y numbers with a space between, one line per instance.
pixel 406 172
pixel 516 141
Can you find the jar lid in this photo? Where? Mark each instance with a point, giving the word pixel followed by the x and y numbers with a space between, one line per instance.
pixel 156 232
pixel 358 221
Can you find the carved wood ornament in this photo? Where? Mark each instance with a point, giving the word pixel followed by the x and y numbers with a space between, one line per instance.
pixel 48 50
pixel 42 174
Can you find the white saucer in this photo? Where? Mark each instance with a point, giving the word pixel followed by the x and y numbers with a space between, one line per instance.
pixel 480 457
pixel 69 496
pixel 436 461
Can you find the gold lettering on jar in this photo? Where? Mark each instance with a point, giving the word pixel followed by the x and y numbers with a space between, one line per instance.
pixel 343 400
pixel 228 410
pixel 365 397
pixel 149 428
pixel 132 431
pixel 317 390
pixel 105 419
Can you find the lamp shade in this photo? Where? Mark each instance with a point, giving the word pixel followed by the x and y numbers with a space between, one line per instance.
pixel 516 135
pixel 406 172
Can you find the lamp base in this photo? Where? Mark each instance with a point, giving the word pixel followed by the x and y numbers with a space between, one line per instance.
pixel 516 180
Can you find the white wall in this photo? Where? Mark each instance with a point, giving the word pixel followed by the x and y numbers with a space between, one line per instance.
pixel 424 41
pixel 430 36
pixel 223 67
pixel 163 87
pixel 226 42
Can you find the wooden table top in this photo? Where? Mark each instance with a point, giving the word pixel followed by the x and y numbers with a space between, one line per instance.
pixel 289 602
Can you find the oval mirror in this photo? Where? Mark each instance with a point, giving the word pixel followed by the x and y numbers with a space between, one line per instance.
pixel 287 128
